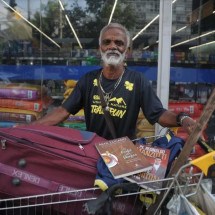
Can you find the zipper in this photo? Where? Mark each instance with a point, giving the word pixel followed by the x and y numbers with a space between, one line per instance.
pixel 41 148
pixel 80 146
pixel 3 144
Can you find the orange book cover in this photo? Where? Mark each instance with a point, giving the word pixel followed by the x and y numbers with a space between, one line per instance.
pixel 22 104
pixel 158 158
pixel 122 157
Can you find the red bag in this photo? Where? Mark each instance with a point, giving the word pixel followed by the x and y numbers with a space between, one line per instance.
pixel 38 160
pixel 45 159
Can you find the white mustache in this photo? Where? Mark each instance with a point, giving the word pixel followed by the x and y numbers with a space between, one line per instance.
pixel 112 60
pixel 112 52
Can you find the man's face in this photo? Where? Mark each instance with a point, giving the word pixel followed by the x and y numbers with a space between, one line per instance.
pixel 157 161
pixel 113 46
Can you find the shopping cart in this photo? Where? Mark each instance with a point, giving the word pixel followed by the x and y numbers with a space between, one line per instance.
pixel 182 180
pixel 134 201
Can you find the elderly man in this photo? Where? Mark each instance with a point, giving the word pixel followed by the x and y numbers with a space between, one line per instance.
pixel 123 91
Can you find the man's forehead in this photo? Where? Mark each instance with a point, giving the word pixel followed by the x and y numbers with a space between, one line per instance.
pixel 115 30
pixel 114 34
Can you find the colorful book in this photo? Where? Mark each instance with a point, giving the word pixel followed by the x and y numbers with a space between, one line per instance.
pixel 75 124
pixel 122 157
pixel 36 105
pixel 18 115
pixel 21 91
pixel 158 158
pixel 8 124
pixel 19 94
pixel 22 104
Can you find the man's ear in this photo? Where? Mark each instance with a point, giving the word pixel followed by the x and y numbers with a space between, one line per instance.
pixel 126 52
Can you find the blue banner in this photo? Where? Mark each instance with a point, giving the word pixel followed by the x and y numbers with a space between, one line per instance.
pixel 55 72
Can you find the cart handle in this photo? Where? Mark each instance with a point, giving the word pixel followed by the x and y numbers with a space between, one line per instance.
pixel 204 162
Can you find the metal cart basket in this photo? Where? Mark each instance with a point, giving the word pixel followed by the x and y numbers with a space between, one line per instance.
pixel 130 202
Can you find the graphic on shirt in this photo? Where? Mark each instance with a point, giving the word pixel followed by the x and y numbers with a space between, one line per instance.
pixel 117 105
pixel 95 82
pixel 129 86
pixel 118 100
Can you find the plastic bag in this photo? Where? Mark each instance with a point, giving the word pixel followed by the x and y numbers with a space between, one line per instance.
pixel 203 198
pixel 180 205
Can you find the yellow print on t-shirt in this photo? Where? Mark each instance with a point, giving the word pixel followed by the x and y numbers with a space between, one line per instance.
pixel 117 113
pixel 118 101
pixel 129 86
pixel 97 109
pixel 95 82
pixel 117 107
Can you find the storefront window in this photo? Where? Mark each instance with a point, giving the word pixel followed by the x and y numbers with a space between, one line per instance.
pixel 47 42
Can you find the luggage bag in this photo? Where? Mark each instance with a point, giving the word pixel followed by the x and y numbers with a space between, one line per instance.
pixel 45 159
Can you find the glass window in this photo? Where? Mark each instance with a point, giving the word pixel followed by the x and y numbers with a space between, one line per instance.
pixel 45 43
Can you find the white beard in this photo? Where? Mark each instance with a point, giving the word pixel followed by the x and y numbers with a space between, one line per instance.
pixel 112 59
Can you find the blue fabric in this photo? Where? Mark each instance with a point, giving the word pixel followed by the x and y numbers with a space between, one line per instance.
pixel 175 144
pixel 87 135
pixel 105 175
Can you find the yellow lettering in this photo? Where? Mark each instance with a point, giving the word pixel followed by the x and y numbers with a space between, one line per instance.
pixel 152 153
pixel 148 176
pixel 117 113
pixel 96 109
pixel 96 97
pixel 164 156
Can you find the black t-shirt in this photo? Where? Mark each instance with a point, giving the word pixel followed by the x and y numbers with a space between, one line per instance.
pixel 133 92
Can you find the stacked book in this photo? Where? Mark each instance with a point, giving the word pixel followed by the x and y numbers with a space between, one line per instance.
pixel 138 163
pixel 76 121
pixel 21 103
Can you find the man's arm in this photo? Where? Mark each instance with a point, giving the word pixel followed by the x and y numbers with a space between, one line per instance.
pixel 170 119
pixel 56 116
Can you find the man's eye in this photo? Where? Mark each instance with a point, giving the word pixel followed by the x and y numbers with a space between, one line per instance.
pixel 119 42
pixel 106 42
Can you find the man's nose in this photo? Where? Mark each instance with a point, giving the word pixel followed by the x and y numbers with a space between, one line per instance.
pixel 112 46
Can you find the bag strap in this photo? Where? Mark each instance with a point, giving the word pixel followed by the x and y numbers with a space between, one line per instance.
pixel 29 178
pixel 106 112
pixel 104 202
pixel 18 175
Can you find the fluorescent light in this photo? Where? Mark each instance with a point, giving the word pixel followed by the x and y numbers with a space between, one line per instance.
pixel 180 29
pixel 67 18
pixel 145 27
pixel 205 44
pixel 31 24
pixel 79 43
pixel 186 41
pixel 214 11
pixel 114 6
pixel 61 5
pixel 149 24
pixel 145 47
